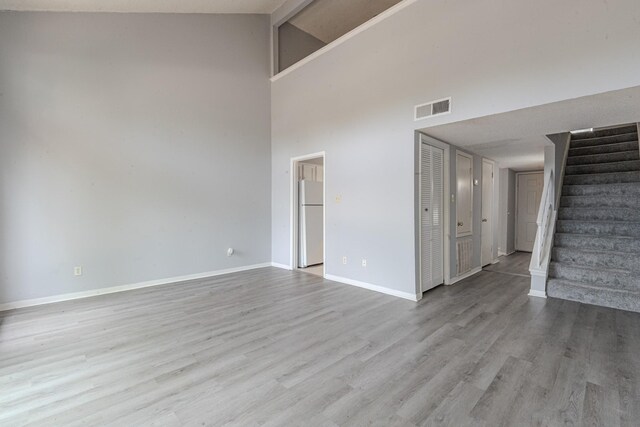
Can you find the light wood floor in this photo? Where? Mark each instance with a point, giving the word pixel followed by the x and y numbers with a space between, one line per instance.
pixel 278 348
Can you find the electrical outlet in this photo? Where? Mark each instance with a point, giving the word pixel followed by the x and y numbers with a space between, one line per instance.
pixel 344 260
pixel 77 271
pixel 364 262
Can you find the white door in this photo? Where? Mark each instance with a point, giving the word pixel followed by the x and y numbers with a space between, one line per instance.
pixel 464 194
pixel 487 210
pixel 431 216
pixel 529 193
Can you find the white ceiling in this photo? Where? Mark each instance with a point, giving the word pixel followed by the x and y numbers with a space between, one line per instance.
pixel 516 139
pixel 327 20
pixel 161 6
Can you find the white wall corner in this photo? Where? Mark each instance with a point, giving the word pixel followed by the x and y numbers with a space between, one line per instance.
pixel 283 266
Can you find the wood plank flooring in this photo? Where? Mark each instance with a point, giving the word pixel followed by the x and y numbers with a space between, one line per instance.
pixel 517 263
pixel 277 348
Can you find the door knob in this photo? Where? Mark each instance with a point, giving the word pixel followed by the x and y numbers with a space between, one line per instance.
pixel 460 224
pixel 484 219
pixel 426 209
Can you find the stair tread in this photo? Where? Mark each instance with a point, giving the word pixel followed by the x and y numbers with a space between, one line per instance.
pixel 609 145
pixel 590 251
pixel 597 221
pixel 592 159
pixel 603 174
pixel 552 281
pixel 621 184
pixel 597 207
pixel 573 156
pixel 592 268
pixel 599 236
pixel 615 162
pixel 579 138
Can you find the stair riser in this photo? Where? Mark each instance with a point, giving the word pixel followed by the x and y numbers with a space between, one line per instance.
pixel 599 214
pixel 605 279
pixel 598 228
pixel 604 297
pixel 598 243
pixel 596 260
pixel 600 201
pixel 603 149
pixel 612 139
pixel 604 158
pixel 626 166
pixel 606 178
pixel 631 189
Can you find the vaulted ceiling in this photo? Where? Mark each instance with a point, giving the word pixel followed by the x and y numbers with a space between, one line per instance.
pixel 160 6
pixel 327 20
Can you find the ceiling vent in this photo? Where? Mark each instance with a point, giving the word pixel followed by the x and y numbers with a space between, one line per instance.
pixel 433 108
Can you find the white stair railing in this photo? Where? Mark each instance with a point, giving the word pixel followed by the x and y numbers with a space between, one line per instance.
pixel 545 218
pixel 541 255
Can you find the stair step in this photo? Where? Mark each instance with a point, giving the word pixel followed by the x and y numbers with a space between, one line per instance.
pixel 596 259
pixel 599 228
pixel 603 277
pixel 598 242
pixel 574 291
pixel 601 140
pixel 592 159
pixel 604 149
pixel 601 201
pixel 602 178
pixel 599 214
pixel 623 166
pixel 631 189
pixel 608 131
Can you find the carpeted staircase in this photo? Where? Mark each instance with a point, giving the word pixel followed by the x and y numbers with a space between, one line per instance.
pixel 596 254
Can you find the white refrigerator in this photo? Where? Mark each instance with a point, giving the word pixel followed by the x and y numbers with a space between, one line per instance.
pixel 310 223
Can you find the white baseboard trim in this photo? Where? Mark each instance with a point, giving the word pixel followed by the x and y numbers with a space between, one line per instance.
pixel 381 289
pixel 495 261
pixel 465 275
pixel 122 288
pixel 500 253
pixel 539 294
pixel 283 266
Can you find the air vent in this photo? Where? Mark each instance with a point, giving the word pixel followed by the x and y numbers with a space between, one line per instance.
pixel 433 108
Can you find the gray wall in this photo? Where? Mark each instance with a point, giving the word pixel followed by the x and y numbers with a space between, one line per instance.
pixel 295 44
pixel 133 145
pixel 356 103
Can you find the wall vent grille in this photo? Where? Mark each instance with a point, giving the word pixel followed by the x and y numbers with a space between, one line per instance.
pixel 465 252
pixel 433 108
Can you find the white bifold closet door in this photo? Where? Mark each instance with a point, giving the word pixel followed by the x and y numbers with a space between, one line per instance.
pixel 432 216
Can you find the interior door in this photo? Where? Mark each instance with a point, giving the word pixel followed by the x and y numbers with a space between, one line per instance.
pixel 529 193
pixel 432 216
pixel 464 194
pixel 487 213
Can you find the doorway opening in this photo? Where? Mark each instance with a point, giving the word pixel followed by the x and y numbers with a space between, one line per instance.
pixel 308 213
pixel 529 187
